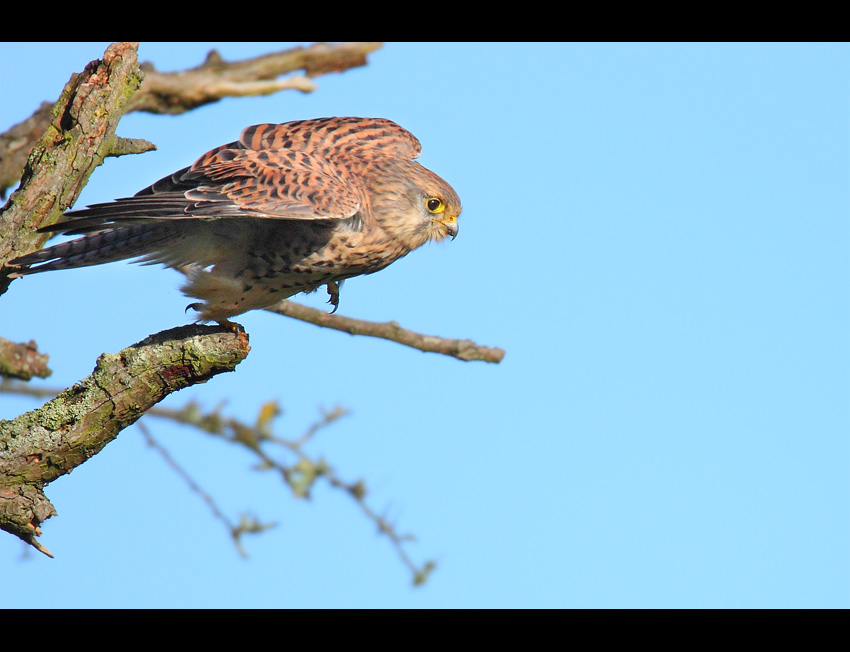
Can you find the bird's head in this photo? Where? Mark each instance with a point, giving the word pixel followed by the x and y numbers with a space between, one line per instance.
pixel 414 205
pixel 436 205
pixel 442 213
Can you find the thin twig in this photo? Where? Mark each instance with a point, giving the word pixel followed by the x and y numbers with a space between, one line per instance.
pixel 300 476
pixel 246 524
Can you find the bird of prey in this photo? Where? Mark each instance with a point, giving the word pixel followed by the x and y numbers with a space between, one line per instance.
pixel 285 209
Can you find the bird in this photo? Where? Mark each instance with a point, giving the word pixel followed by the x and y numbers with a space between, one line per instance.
pixel 286 208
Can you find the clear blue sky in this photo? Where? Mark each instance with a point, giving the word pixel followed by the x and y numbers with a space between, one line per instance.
pixel 658 235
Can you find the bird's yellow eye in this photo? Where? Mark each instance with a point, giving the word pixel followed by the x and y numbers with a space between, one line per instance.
pixel 435 205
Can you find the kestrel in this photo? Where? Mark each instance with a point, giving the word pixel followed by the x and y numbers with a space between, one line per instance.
pixel 285 209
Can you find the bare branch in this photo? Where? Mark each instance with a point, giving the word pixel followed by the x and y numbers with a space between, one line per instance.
pixel 300 475
pixel 391 330
pixel 215 78
pixel 22 360
pixel 44 444
pixel 304 472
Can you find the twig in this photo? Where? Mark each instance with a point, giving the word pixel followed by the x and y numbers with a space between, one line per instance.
pixel 246 525
pixel 390 330
pixel 300 476
pixel 22 389
pixel 304 473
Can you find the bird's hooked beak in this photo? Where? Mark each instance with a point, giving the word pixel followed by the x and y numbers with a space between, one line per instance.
pixel 449 224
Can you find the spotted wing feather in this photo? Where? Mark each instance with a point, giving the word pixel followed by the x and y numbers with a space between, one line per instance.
pixel 301 170
pixel 306 169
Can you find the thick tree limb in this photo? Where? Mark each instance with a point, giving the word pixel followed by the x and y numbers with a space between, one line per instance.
pixel 44 444
pixel 391 330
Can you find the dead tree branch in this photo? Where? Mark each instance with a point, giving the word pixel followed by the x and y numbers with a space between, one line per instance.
pixel 259 438
pixel 215 78
pixel 17 143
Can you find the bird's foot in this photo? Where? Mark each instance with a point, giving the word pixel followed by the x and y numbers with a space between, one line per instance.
pixel 333 291
pixel 232 326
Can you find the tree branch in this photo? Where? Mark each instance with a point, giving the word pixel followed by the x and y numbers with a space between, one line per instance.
pixel 44 444
pixel 461 349
pixel 300 475
pixel 247 523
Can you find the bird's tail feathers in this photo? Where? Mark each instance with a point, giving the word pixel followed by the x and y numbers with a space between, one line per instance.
pixel 106 246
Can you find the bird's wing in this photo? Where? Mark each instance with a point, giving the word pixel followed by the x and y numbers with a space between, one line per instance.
pixel 335 137
pixel 300 170
pixel 274 177
pixel 271 183
pixel 306 169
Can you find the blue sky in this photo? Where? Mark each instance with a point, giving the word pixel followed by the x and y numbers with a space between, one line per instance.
pixel 657 234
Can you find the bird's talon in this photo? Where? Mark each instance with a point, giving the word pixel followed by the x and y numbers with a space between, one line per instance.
pixel 333 291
